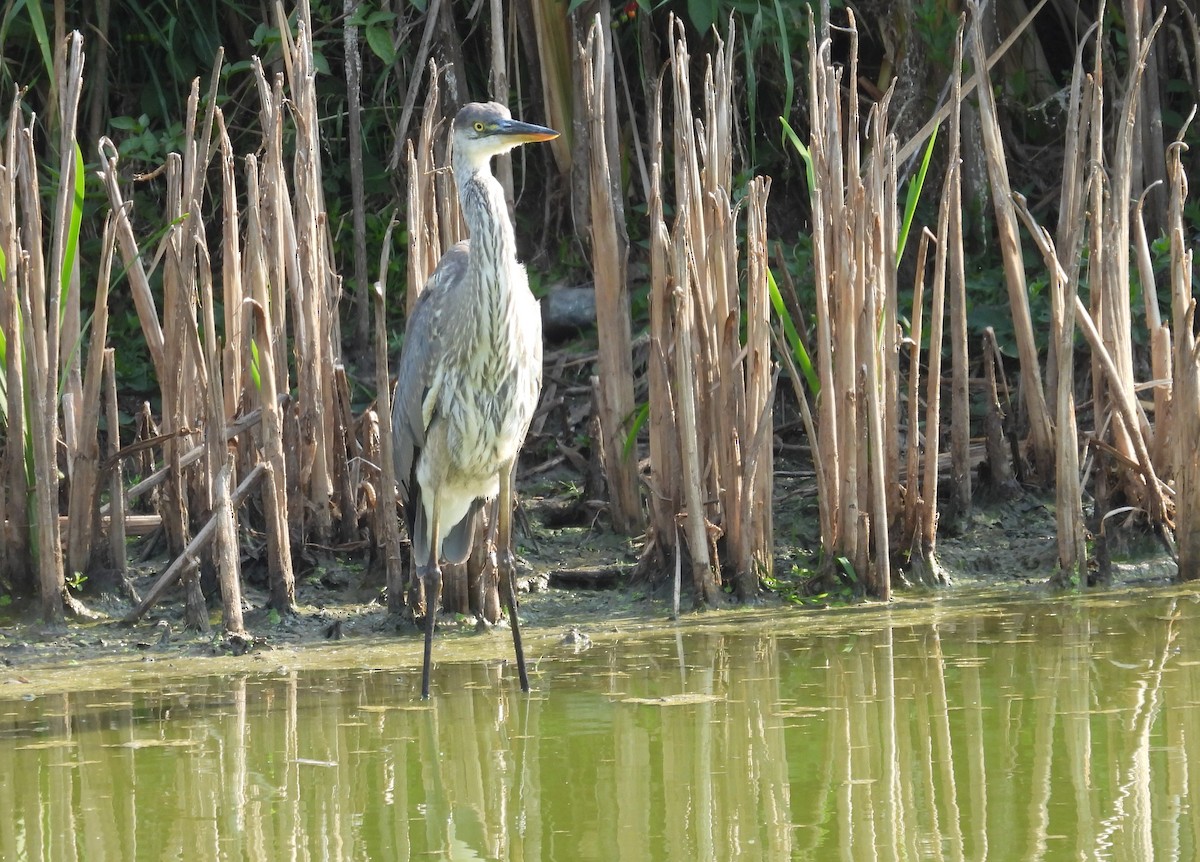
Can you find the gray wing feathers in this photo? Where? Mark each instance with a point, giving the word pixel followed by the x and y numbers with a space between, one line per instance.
pixel 423 348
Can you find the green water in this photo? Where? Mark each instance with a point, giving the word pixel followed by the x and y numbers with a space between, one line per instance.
pixel 1025 730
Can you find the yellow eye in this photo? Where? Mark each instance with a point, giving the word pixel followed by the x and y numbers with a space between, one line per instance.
pixel 479 125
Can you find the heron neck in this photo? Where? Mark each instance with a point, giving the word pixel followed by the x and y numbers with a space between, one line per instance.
pixel 493 246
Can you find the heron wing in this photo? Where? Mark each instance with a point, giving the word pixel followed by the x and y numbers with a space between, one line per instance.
pixel 423 351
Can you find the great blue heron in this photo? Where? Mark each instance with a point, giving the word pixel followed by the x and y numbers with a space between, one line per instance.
pixel 469 375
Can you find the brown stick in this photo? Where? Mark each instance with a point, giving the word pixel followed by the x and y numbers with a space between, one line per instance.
pixel 43 427
pixel 116 491
pixel 275 496
pixel 960 357
pixel 1185 413
pixel 1041 434
pixel 913 506
pixel 610 251
pixel 362 320
pixel 16 564
pixel 131 257
pixel 203 536
pixel 999 458
pixel 220 464
pixel 64 335
pixel 387 458
pixel 665 470
pixel 87 456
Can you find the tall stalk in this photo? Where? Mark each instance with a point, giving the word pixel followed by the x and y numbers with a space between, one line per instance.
pixel 610 254
pixel 706 432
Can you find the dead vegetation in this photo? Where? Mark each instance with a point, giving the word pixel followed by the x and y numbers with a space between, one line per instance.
pixel 257 437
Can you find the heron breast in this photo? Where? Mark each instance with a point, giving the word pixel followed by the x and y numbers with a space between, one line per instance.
pixel 487 405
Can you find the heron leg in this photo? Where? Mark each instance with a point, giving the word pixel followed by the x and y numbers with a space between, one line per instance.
pixel 507 565
pixel 431 577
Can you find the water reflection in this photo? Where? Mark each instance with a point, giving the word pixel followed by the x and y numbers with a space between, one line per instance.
pixel 1035 731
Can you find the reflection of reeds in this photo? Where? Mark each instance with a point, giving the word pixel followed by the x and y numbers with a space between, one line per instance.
pixel 959 737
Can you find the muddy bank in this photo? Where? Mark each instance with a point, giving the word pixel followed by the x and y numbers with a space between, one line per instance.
pixel 1006 547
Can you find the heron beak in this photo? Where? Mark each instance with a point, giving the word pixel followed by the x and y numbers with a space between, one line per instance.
pixel 524 133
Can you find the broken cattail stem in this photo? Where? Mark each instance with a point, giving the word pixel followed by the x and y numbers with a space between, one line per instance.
pixel 85 474
pixel 43 425
pixel 1041 434
pixel 912 487
pixel 198 543
pixel 610 250
pixel 275 492
pixel 387 460
pixel 116 489
pixel 220 464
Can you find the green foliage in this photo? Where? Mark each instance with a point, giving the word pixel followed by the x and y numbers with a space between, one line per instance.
pixel 142 143
pixel 15 31
pixel 377 25
pixel 76 223
pixel 790 134
pixel 638 419
pixel 913 195
pixel 799 353
pixel 805 586
pixel 936 26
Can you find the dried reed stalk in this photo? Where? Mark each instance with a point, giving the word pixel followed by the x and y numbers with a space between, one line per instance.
pixel 912 500
pixel 691 246
pixel 753 555
pixel 665 486
pixel 64 335
pixel 709 393
pixel 1041 432
pixel 313 297
pixel 1160 348
pixel 260 329
pixel 390 533
pixel 960 396
pixel 610 253
pixel 84 477
pixel 1072 553
pixel 180 388
pixel 235 375
pixel 116 474
pixel 220 462
pixel 279 244
pixel 1185 402
pixel 854 261
pixel 30 273
pixel 353 61
pixel 998 451
pixel 425 245
pixel 16 563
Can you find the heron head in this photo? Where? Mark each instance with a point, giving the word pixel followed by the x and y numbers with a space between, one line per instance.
pixel 486 129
